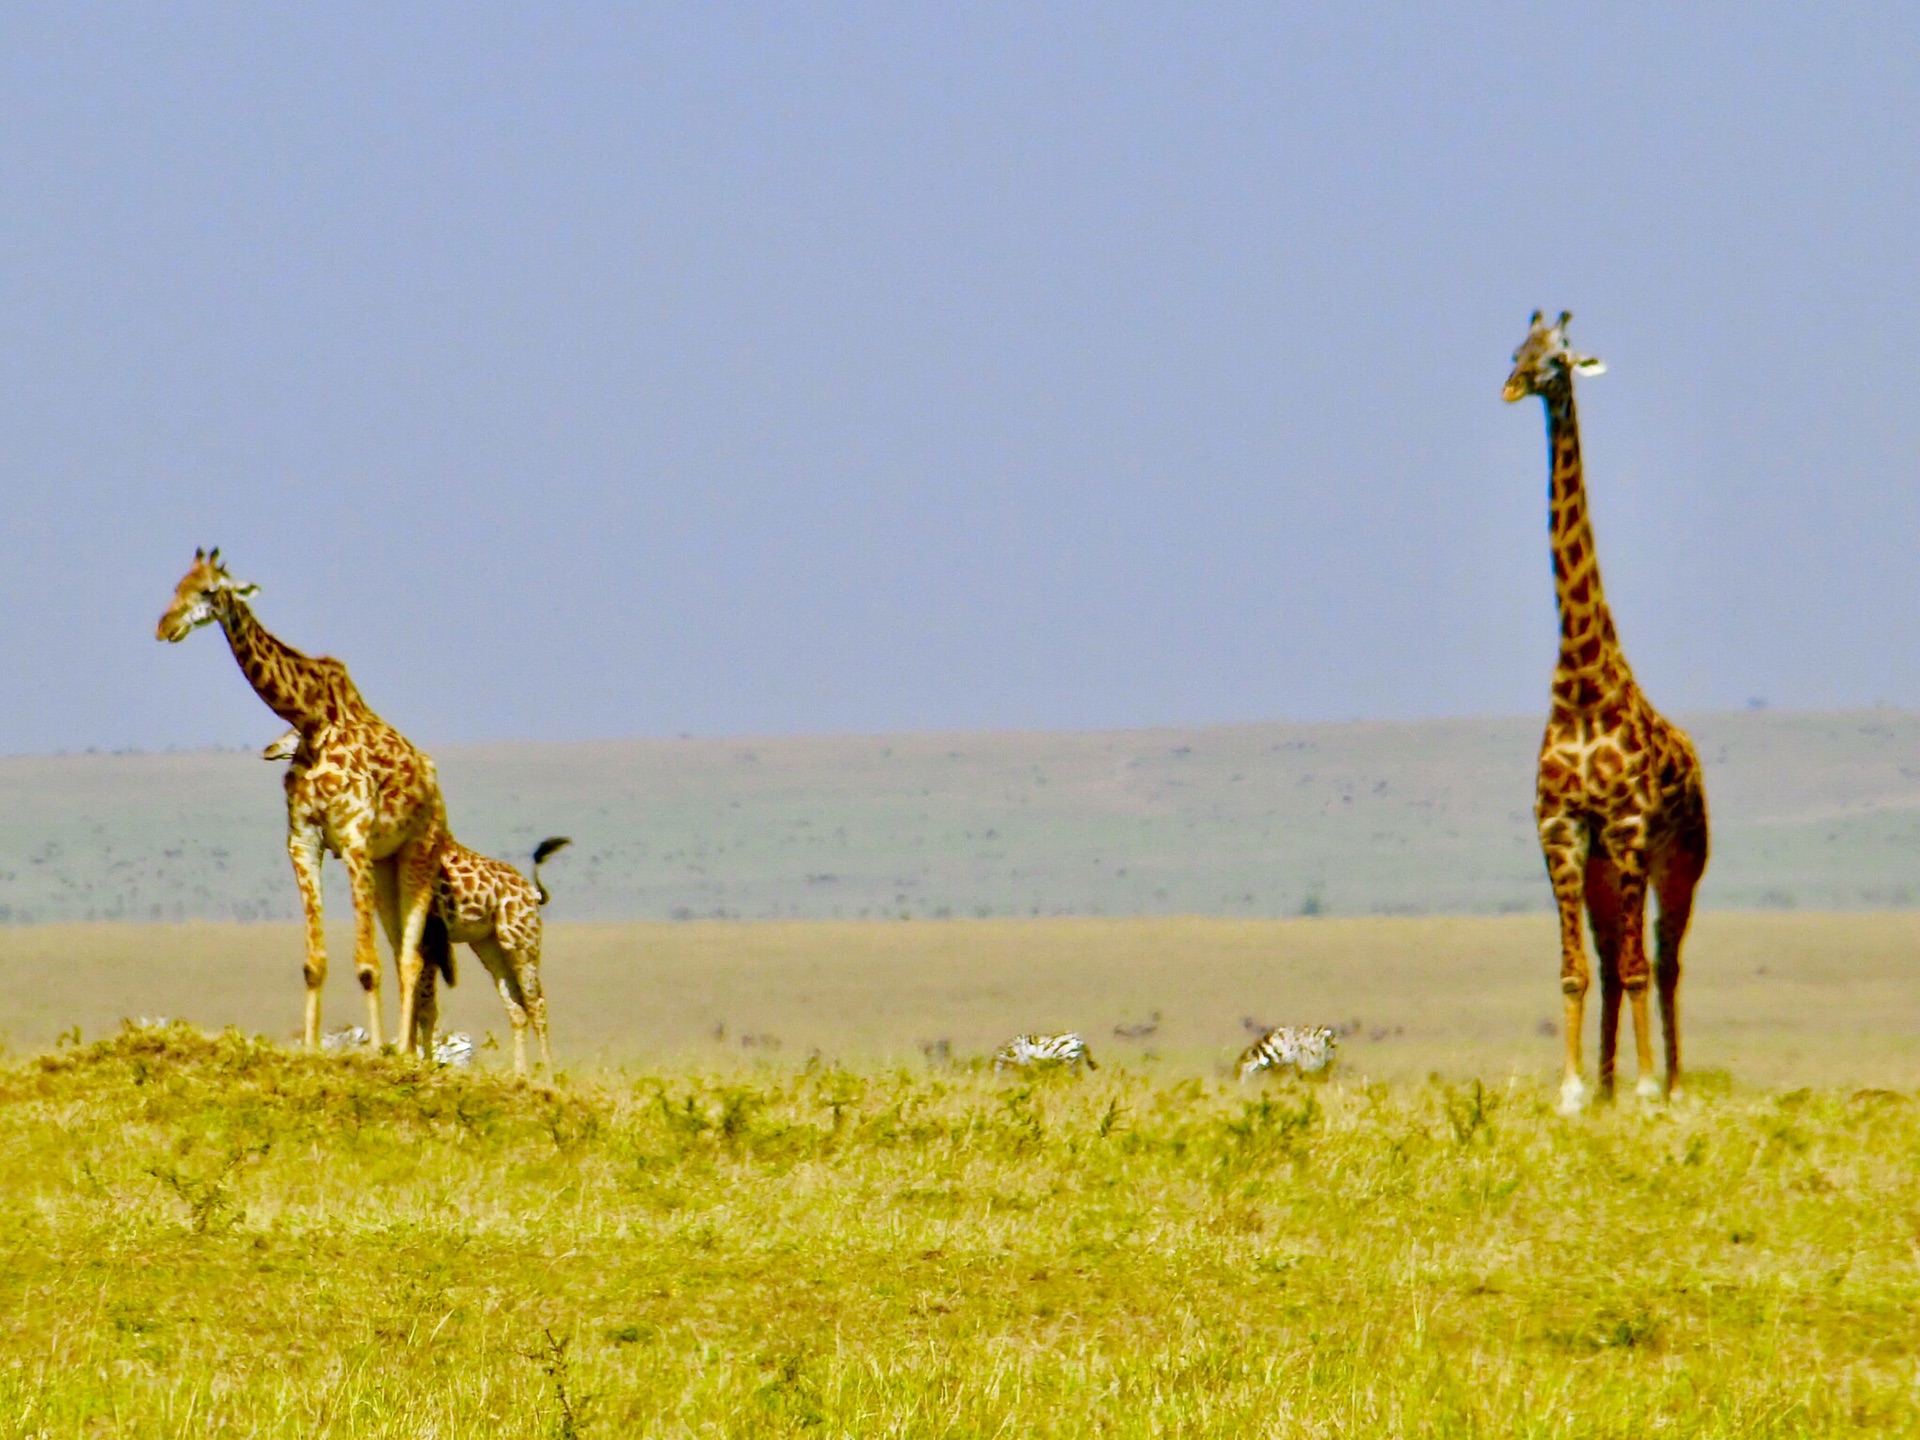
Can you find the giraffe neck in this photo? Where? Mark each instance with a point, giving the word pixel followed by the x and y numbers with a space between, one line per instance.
pixel 1591 662
pixel 296 687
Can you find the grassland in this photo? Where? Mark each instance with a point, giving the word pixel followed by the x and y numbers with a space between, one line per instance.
pixel 212 1236
pixel 1774 998
pixel 1810 812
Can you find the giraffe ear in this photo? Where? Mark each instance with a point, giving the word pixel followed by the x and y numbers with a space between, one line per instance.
pixel 1589 364
pixel 246 590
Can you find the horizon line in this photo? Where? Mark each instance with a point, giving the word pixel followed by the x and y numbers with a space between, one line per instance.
pixel 798 736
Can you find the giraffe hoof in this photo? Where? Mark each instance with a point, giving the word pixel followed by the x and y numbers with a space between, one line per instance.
pixel 1573 1096
pixel 1648 1088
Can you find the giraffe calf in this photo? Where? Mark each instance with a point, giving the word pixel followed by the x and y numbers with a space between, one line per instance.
pixel 486 904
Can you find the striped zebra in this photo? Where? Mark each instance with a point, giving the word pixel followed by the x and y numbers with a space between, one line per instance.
pixel 1025 1052
pixel 455 1049
pixel 347 1037
pixel 1306 1049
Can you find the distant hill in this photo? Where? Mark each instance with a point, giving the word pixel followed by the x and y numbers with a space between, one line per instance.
pixel 1809 810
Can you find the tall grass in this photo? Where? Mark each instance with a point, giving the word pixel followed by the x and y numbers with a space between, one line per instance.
pixel 212 1235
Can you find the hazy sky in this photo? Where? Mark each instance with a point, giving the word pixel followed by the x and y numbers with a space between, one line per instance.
pixel 589 371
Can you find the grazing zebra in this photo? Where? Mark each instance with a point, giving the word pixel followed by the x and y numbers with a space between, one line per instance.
pixel 347 1037
pixel 455 1049
pixel 1308 1049
pixel 1025 1052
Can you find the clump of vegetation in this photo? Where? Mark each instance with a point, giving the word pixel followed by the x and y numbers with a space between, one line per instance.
pixel 212 1234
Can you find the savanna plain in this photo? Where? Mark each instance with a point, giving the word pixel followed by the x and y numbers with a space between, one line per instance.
pixel 775 1190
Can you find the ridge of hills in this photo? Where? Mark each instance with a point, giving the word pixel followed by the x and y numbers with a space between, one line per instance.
pixel 1810 810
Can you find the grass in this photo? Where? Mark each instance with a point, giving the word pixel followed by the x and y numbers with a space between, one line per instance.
pixel 1779 999
pixel 210 1234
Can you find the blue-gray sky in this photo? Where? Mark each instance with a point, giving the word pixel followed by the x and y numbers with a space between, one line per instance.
pixel 587 371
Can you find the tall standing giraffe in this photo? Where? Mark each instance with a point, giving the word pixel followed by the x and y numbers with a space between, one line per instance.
pixel 485 903
pixel 357 788
pixel 1621 801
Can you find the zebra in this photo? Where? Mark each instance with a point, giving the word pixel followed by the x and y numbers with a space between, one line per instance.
pixel 1308 1049
pixel 455 1050
pixel 1025 1052
pixel 347 1037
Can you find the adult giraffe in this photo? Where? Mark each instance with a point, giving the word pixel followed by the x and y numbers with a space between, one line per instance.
pixel 1621 801
pixel 357 788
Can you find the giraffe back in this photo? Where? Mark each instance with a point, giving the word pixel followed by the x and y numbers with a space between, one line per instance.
pixel 359 779
pixel 477 896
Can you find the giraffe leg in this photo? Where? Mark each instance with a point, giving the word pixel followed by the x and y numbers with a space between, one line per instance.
pixel 1675 878
pixel 386 901
pixel 524 943
pixel 506 979
pixel 386 889
pixel 1626 843
pixel 537 1004
pixel 426 1007
pixel 414 861
pixel 307 850
pixel 1603 916
pixel 366 952
pixel 1563 841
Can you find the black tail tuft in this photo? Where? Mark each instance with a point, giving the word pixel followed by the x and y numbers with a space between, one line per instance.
pixel 436 949
pixel 540 852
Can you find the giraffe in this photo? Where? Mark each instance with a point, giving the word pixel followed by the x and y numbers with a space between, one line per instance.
pixel 357 788
pixel 1622 805
pixel 489 905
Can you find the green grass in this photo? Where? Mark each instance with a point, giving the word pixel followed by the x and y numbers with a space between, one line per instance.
pixel 215 1236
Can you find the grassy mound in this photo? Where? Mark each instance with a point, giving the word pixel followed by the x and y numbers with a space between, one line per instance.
pixel 211 1234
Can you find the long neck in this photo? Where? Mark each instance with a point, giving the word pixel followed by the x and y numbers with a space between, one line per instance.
pixel 294 686
pixel 1591 660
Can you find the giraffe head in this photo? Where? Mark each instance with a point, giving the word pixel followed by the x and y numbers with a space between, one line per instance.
pixel 200 597
pixel 1543 359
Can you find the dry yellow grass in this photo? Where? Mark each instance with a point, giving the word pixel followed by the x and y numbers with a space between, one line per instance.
pixel 215 1236
pixel 1796 998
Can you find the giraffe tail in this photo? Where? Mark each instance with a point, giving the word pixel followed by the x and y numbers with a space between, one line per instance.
pixel 540 852
pixel 436 949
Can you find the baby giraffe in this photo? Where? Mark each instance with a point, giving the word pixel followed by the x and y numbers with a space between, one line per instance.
pixel 489 905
